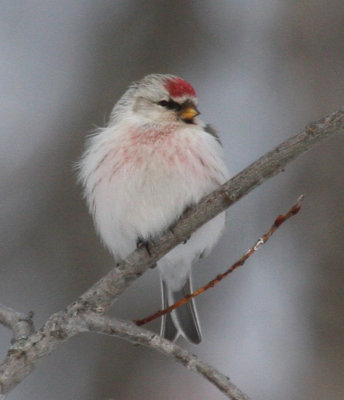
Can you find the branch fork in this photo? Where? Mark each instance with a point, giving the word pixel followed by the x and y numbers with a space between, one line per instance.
pixel 20 324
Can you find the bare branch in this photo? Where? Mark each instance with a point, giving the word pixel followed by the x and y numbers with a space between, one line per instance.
pixel 23 357
pixel 262 240
pixel 20 324
pixel 113 284
pixel 129 331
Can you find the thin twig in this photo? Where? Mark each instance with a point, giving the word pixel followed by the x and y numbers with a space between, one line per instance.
pixel 20 324
pixel 262 240
pixel 129 331
pixel 23 358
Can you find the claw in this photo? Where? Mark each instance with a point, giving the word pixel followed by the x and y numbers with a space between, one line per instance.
pixel 186 240
pixel 140 243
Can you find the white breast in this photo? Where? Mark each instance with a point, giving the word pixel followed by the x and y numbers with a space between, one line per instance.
pixel 139 182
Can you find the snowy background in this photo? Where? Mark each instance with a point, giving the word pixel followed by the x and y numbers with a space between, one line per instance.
pixel 262 71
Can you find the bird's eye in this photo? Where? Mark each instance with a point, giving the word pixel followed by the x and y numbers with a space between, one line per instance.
pixel 163 103
pixel 171 105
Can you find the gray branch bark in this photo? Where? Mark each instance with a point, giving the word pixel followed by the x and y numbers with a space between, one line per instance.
pixel 24 355
pixel 132 333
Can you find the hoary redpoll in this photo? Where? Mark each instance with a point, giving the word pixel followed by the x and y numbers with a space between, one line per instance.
pixel 153 160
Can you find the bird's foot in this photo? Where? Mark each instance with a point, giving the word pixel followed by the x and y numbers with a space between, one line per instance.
pixel 187 239
pixel 140 243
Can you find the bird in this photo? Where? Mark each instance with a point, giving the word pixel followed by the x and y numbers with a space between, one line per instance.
pixel 154 159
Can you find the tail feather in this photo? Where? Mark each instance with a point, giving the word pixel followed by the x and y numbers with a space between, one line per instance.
pixel 168 329
pixel 183 320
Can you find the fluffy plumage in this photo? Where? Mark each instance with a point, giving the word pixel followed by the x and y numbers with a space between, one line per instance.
pixel 152 161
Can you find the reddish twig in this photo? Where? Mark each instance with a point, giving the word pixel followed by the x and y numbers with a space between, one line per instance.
pixel 262 240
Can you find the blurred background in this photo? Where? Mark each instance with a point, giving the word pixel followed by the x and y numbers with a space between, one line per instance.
pixel 262 71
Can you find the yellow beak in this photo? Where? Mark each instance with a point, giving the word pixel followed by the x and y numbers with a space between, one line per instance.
pixel 188 113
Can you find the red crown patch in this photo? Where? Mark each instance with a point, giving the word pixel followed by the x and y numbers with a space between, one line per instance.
pixel 177 87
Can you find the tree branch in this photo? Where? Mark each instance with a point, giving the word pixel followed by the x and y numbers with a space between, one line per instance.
pixel 20 324
pixel 132 333
pixel 23 356
pixel 269 165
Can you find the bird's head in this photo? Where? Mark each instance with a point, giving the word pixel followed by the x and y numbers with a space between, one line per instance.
pixel 162 99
